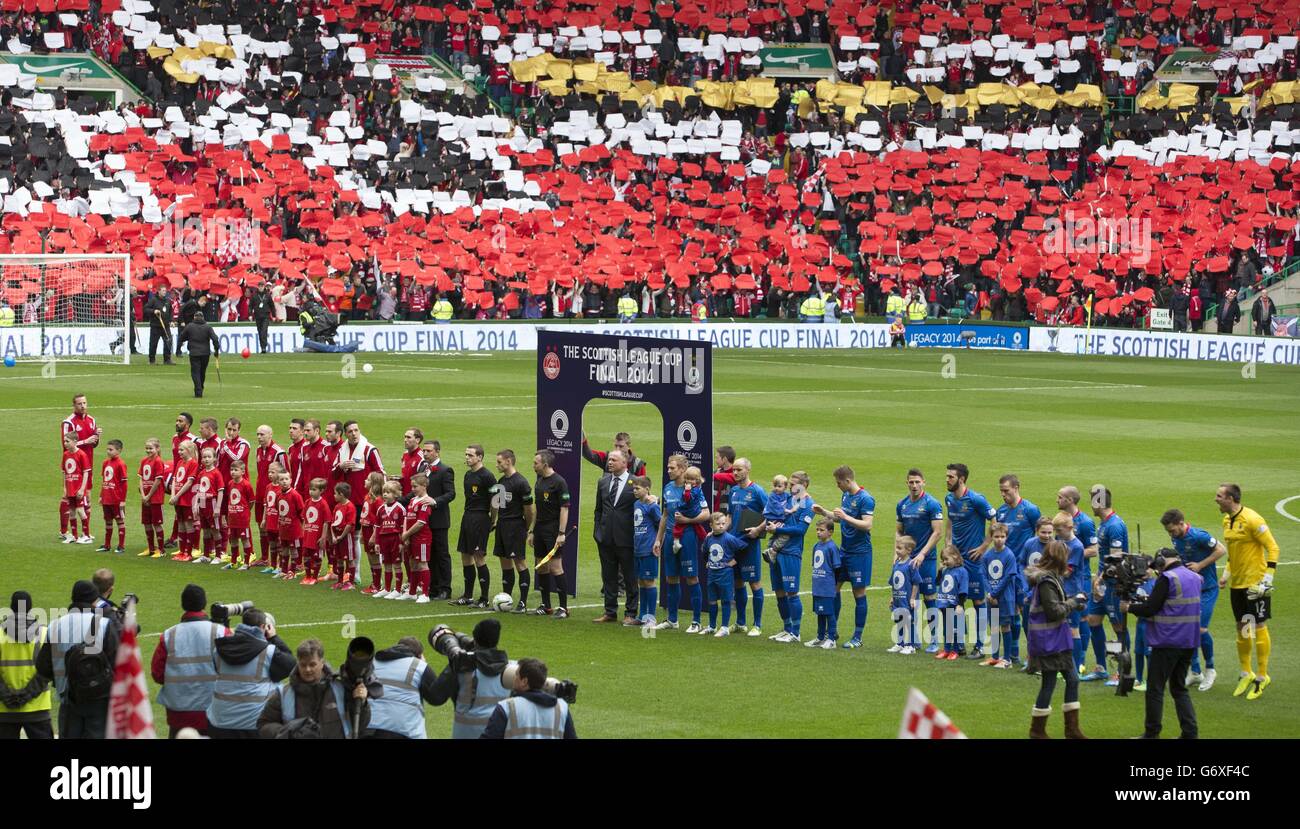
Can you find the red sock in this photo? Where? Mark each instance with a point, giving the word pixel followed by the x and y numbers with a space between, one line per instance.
pixel 315 565
pixel 352 573
pixel 148 536
pixel 265 542
pixel 63 517
pixel 121 535
pixel 425 577
pixel 223 541
pixel 108 533
pixel 374 576
pixel 388 578
pixel 397 577
pixel 248 551
pixel 175 530
pixel 85 526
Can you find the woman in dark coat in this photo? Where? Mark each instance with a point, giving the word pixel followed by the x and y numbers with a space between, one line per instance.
pixel 1051 640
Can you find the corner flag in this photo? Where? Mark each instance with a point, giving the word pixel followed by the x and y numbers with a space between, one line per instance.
pixel 922 721
pixel 130 714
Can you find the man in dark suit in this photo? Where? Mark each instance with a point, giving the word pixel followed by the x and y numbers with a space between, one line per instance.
pixel 442 491
pixel 1261 313
pixel 158 311
pixel 613 532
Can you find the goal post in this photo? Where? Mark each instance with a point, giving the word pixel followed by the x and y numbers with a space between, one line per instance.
pixel 73 306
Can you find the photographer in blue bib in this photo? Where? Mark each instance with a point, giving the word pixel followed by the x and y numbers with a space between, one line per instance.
pixel 1172 616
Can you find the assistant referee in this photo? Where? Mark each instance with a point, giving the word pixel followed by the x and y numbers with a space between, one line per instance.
pixel 1252 561
pixel 198 336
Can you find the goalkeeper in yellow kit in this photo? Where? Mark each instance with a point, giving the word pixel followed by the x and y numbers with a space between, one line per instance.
pixel 1252 561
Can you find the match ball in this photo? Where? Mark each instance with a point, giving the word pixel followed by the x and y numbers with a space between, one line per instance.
pixel 502 602
pixel 245 353
pixel 10 362
pixel 367 368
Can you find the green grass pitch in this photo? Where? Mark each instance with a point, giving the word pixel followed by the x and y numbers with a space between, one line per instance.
pixel 1159 433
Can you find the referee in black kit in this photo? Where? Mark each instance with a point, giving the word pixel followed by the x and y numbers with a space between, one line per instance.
pixel 551 498
pixel 198 335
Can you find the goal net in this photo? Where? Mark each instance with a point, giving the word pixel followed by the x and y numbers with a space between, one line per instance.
pixel 66 307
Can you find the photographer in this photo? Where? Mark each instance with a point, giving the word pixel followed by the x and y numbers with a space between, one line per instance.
pixel 104 581
pixel 1172 618
pixel 531 713
pixel 24 694
pixel 249 663
pixel 79 656
pixel 183 664
pixel 1051 640
pixel 472 678
pixel 408 684
pixel 314 694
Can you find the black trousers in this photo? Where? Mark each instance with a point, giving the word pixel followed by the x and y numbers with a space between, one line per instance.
pixel 37 730
pixel 439 563
pixel 616 563
pixel 199 372
pixel 263 337
pixel 1169 665
pixel 157 333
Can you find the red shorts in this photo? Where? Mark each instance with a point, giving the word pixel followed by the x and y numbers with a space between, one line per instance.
pixel 345 550
pixel 367 530
pixel 151 514
pixel 75 502
pixel 259 510
pixel 184 512
pixel 209 520
pixel 418 551
pixel 112 512
pixel 310 552
pixel 241 534
pixel 290 535
pixel 390 548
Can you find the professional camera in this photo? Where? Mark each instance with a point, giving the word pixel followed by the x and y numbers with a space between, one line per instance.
pixel 221 612
pixel 565 689
pixel 457 647
pixel 1126 572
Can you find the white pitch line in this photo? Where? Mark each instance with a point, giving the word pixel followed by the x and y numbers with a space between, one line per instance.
pixel 1280 507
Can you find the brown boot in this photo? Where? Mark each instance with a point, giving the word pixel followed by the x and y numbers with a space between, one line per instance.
pixel 1072 731
pixel 1038 725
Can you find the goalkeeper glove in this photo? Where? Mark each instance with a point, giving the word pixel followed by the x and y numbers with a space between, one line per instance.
pixel 1264 588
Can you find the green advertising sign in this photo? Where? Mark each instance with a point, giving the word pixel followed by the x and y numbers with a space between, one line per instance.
pixel 60 68
pixel 798 60
pixel 409 67
pixel 1188 65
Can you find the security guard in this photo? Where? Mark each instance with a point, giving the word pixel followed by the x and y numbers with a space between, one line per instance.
pixel 531 713
pixel 1172 615
pixel 24 694
pixel 100 634
pixel 408 684
pixel 249 664
pixel 894 305
pixel 916 308
pixel 6 314
pixel 627 308
pixel 442 310
pixel 813 309
pixel 183 664
pixel 476 692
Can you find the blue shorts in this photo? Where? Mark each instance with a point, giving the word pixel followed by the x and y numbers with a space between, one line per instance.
pixel 785 573
pixel 1076 619
pixel 1208 597
pixel 823 606
pixel 647 567
pixel 721 587
pixel 856 570
pixel 685 562
pixel 975 576
pixel 1108 607
pixel 750 565
pixel 928 572
pixel 1007 609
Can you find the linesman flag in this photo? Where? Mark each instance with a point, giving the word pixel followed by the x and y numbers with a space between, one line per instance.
pixel 130 714
pixel 922 721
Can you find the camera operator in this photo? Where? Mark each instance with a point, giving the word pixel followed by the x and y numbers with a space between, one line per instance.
pixel 1051 639
pixel 472 678
pixel 80 656
pixel 104 580
pixel 249 663
pixel 316 694
pixel 24 694
pixel 1172 616
pixel 184 664
pixel 531 713
pixel 408 684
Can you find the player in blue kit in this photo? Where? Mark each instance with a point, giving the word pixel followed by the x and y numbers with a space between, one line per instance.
pixel 1001 574
pixel 1027 556
pixel 1019 514
pixel 904 585
pixel 1085 529
pixel 645 521
pixel 826 561
pixel 1199 551
pixel 681 560
pixel 920 515
pixel 1140 649
pixel 745 494
pixel 1112 537
pixel 785 570
pixel 950 602
pixel 720 548
pixel 967 514
pixel 855 516
pixel 1078 580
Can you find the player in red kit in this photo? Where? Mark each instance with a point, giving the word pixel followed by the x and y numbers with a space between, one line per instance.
pixel 207 438
pixel 268 453
pixel 239 503
pixel 269 523
pixel 389 518
pixel 315 517
pixel 411 457
pixel 76 483
pixel 369 510
pixel 417 538
pixel 293 454
pixel 83 428
pixel 184 421
pixel 289 505
pixel 209 492
pixel 112 498
pixel 234 449
pixel 184 478
pixel 343 537
pixel 313 459
pixel 153 491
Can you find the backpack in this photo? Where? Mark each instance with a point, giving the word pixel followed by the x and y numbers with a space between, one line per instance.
pixel 89 675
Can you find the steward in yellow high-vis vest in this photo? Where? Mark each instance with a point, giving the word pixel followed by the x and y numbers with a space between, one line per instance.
pixel 24 696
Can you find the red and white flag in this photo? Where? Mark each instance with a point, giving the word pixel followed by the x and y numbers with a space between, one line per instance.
pixel 130 714
pixel 922 721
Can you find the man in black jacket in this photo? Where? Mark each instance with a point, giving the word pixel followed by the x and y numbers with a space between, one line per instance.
pixel 158 310
pixel 1261 313
pixel 261 308
pixel 101 633
pixel 442 491
pixel 1179 303
pixel 613 534
pixel 1173 632
pixel 198 335
pixel 536 705
pixel 1229 312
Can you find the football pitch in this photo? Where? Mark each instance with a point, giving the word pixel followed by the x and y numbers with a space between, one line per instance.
pixel 1159 433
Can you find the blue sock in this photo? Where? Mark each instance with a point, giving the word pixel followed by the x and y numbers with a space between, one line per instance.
pixel 838 604
pixel 1013 652
pixel 796 613
pixel 697 602
pixel 726 614
pixel 1098 645
pixel 674 599
pixel 822 619
pixel 713 615
pixel 783 607
pixel 859 615
pixel 1207 648
pixel 640 600
pixel 651 606
pixel 758 607
pixel 1008 646
pixel 835 628
pixel 742 601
